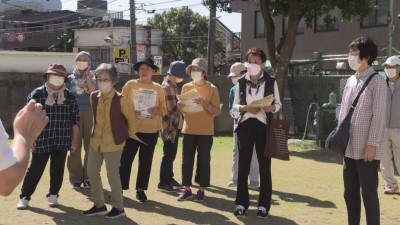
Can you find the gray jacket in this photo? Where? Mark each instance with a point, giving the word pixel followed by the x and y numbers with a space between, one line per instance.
pixel 393 106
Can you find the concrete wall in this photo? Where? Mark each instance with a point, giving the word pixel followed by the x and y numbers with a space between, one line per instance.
pixel 15 87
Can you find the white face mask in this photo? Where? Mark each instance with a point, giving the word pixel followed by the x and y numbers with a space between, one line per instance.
pixel 56 80
pixel 178 80
pixel 104 87
pixel 253 69
pixel 235 80
pixel 81 65
pixel 196 75
pixel 391 72
pixel 353 62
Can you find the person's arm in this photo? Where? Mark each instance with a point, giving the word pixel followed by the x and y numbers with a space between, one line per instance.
pixel 277 101
pixel 377 128
pixel 89 81
pixel 75 121
pixel 75 137
pixel 213 107
pixel 28 124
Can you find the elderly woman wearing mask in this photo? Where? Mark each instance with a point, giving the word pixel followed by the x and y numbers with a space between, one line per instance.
pixel 81 84
pixel 252 123
pixel 198 129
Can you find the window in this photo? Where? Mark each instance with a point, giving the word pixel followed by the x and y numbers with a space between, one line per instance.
pixel 300 27
pixel 321 26
pixel 259 30
pixel 378 16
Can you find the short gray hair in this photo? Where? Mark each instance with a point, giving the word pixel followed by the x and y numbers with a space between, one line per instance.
pixel 108 68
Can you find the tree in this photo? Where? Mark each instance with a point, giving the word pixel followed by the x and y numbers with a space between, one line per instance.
pixel 281 53
pixel 184 34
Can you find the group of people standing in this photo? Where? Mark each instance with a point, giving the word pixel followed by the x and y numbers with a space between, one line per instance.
pixel 84 109
pixel 86 112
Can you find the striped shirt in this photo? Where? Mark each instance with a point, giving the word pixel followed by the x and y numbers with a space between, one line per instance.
pixel 56 136
pixel 368 121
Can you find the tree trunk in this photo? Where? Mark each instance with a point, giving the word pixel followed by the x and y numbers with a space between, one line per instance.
pixel 280 61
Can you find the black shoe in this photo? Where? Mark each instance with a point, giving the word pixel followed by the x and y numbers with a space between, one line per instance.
pixel 115 213
pixel 86 184
pixel 174 184
pixel 141 196
pixel 262 212
pixel 240 211
pixel 94 211
pixel 166 188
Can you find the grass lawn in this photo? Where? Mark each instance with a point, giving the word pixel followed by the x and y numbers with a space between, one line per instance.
pixel 307 190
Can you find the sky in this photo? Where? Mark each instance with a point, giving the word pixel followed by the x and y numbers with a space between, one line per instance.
pixel 231 20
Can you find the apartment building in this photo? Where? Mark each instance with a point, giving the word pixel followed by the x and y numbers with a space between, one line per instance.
pixel 320 39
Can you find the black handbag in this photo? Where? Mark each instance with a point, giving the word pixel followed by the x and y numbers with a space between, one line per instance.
pixel 338 139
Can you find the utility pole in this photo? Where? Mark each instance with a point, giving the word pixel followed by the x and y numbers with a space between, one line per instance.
pixel 211 38
pixel 390 28
pixel 133 55
pixel 112 39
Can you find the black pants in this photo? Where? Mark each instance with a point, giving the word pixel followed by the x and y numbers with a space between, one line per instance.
pixel 36 169
pixel 359 174
pixel 202 144
pixel 252 132
pixel 167 162
pixel 146 152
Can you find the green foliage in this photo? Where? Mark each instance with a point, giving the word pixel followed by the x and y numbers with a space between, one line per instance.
pixel 222 5
pixel 184 34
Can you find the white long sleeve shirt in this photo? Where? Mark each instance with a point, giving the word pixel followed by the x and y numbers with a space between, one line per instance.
pixel 261 116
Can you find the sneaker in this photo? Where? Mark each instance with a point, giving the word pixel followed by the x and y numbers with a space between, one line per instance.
pixel 76 185
pixel 53 200
pixel 240 211
pixel 391 190
pixel 86 184
pixel 232 183
pixel 253 184
pixel 166 188
pixel 200 196
pixel 174 184
pixel 262 212
pixel 23 203
pixel 115 213
pixel 185 195
pixel 94 211
pixel 141 196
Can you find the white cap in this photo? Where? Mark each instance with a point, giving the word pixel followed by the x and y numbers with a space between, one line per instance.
pixel 236 69
pixel 392 61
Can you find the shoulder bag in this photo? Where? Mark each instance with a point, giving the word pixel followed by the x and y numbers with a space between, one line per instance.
pixel 338 139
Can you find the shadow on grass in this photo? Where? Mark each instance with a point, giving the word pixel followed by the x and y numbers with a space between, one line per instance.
pixel 288 197
pixel 310 201
pixel 319 155
pixel 67 215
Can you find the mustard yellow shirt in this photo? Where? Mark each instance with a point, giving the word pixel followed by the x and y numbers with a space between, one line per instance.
pixel 102 139
pixel 146 125
pixel 201 123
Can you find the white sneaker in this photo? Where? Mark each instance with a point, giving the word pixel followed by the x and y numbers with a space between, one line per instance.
pixel 23 203
pixel 53 200
pixel 391 190
pixel 253 184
